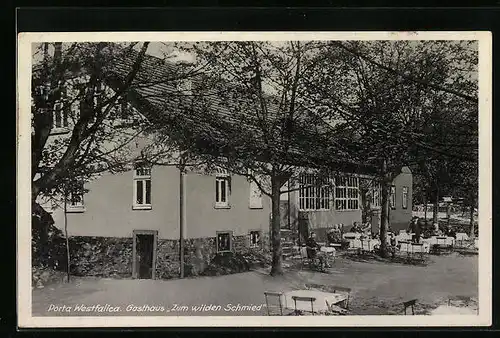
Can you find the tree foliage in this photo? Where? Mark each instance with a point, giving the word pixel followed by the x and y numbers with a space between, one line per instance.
pixel 250 114
pixel 411 103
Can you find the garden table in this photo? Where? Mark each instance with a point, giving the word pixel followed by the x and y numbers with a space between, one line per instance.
pixel 319 304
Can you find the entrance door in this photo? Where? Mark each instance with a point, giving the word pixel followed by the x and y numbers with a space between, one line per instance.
pixel 144 254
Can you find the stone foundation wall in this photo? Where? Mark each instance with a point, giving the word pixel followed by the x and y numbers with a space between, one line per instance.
pixel 112 257
pixel 266 241
pixel 240 243
pixel 167 259
pixel 101 256
pixel 198 253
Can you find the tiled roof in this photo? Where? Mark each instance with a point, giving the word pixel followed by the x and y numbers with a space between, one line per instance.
pixel 156 94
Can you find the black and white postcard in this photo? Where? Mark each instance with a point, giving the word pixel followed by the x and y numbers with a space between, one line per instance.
pixel 254 179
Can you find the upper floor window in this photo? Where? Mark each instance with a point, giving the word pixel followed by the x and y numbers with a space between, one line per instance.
pixel 346 193
pixel 393 197
pixel 43 92
pixel 376 196
pixel 222 188
pixel 60 116
pixel 314 192
pixel 405 198
pixel 222 191
pixel 255 198
pixel 75 202
pixel 142 186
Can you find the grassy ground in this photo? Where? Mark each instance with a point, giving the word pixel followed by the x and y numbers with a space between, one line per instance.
pixel 377 288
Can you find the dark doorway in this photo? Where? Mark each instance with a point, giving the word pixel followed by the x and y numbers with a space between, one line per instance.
pixel 144 254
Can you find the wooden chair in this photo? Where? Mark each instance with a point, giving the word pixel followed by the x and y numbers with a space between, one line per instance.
pixel 460 238
pixel 312 263
pixel 410 303
pixel 278 295
pixel 417 250
pixel 303 299
pixel 341 289
pixel 334 309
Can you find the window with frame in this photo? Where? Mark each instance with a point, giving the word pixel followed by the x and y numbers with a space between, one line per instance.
pixel 254 239
pixel 224 241
pixel 60 116
pixel 376 196
pixel 99 94
pixel 222 187
pixel 255 201
pixel 404 202
pixel 314 192
pixel 75 201
pixel 142 186
pixel 346 193
pixel 43 91
pixel 393 197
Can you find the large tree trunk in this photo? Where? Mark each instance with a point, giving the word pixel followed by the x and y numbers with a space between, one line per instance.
pixel 182 220
pixel 384 216
pixel 436 206
pixel 68 257
pixel 277 255
pixel 365 205
pixel 471 219
pixel 425 207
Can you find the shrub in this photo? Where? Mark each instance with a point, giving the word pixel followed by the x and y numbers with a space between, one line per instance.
pixel 229 262
pixel 48 244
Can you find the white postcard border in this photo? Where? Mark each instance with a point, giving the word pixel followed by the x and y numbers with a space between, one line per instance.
pixel 24 291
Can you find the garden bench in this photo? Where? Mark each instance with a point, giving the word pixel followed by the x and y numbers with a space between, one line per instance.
pixel 410 303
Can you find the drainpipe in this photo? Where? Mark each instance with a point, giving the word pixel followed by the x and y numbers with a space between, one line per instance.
pixel 288 207
pixel 182 218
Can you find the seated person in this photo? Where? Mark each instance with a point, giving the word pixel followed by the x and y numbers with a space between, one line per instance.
pixel 452 233
pixel 367 229
pixel 334 235
pixel 313 250
pixel 355 227
pixel 329 236
pixel 337 236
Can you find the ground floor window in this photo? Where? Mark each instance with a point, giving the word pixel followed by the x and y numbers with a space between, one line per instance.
pixel 346 193
pixel 224 241
pixel 393 197
pixel 74 202
pixel 314 192
pixel 254 239
pixel 405 198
